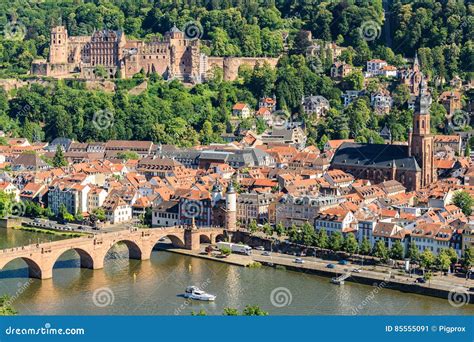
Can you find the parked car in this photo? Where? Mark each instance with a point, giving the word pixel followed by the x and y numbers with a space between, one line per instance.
pixel 266 253
pixel 421 280
pixel 330 266
pixel 259 248
pixel 356 270
pixel 299 261
pixel 343 262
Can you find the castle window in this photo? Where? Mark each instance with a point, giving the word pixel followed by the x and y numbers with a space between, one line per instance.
pixel 423 124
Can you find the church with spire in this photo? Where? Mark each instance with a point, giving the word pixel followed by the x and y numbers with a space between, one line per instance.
pixel 420 139
pixel 411 164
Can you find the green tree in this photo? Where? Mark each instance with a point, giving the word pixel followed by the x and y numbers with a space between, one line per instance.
pixel 380 251
pixel 464 201
pixel 253 310
pixel 350 244
pixel 397 251
pixel 58 159
pixel 100 71
pixel 128 155
pixel 267 229
pixel 230 312
pixel 468 258
pixel 225 251
pixel 308 235
pixel 6 309
pixel 427 276
pixel 401 95
pixel 365 246
pixel 427 259
pixel 201 312
pixel 280 229
pixel 253 228
pixel 6 201
pixel 322 239
pixel 336 241
pixel 64 215
pixel 453 256
pixel 413 253
pixel 354 81
pixel 358 113
pixel 99 213
pixel 443 261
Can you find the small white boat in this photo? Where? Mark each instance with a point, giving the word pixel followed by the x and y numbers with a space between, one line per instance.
pixel 337 281
pixel 194 292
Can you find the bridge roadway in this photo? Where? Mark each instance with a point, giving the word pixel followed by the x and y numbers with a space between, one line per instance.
pixel 92 250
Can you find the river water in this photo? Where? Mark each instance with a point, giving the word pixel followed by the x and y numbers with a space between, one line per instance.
pixel 153 287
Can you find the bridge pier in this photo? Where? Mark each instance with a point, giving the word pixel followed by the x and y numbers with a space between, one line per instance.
pixel 191 239
pixel 98 263
pixel 45 274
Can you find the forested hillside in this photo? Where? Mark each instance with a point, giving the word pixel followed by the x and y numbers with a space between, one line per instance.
pixel 441 31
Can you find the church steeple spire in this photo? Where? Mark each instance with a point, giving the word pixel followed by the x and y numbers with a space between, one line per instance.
pixel 421 144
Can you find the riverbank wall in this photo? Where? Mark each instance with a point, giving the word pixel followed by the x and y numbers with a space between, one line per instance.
pixel 371 278
pixel 11 222
pixel 380 280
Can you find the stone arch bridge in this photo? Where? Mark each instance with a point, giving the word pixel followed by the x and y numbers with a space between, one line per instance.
pixel 92 250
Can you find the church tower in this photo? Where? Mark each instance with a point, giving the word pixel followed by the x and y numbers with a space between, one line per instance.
pixel 421 144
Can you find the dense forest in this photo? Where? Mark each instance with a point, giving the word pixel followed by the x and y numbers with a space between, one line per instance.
pixel 440 31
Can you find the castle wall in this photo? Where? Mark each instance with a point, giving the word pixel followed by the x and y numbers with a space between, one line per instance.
pixel 231 65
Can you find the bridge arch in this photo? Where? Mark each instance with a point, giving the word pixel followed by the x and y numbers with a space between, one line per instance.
pixel 134 250
pixel 220 237
pixel 176 241
pixel 85 258
pixel 34 269
pixel 204 238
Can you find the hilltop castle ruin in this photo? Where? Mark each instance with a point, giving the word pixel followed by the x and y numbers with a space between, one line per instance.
pixel 108 54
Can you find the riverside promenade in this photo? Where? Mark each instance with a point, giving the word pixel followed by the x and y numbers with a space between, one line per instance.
pixel 382 277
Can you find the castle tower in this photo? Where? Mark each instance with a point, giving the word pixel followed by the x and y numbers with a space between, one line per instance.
pixel 231 208
pixel 59 45
pixel 421 138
